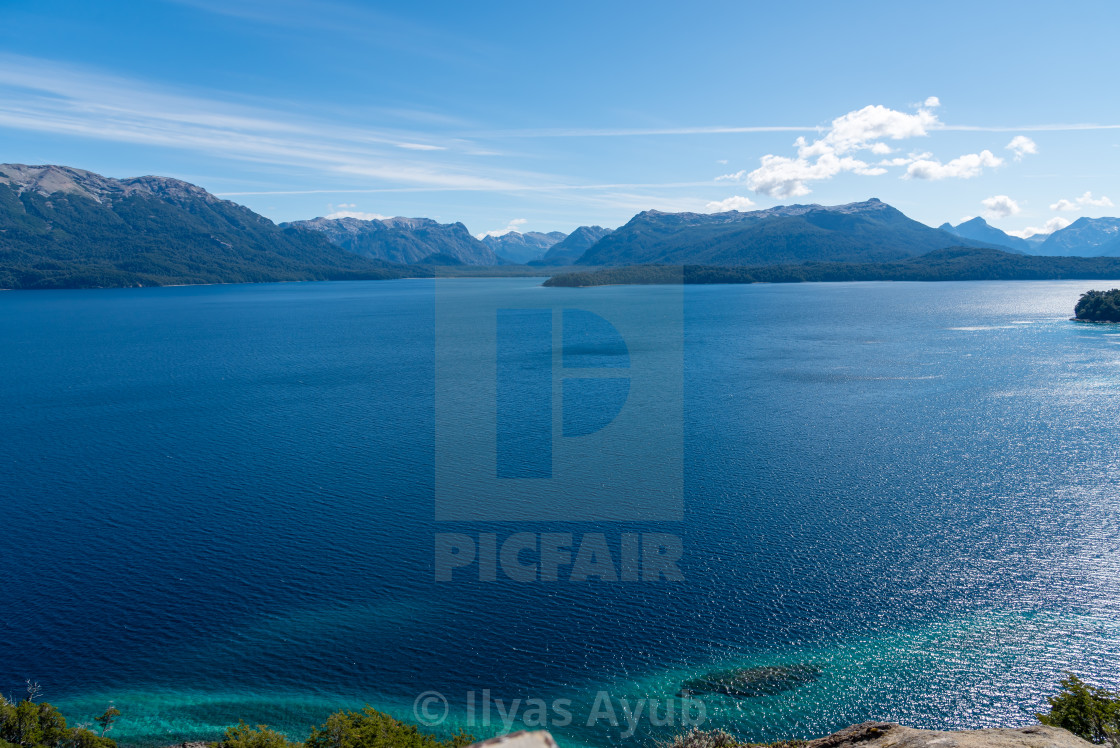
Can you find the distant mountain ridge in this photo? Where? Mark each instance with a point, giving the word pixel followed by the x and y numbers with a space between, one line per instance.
pixel 1086 237
pixel 869 231
pixel 573 246
pixel 401 240
pixel 522 248
pixel 69 228
pixel 980 230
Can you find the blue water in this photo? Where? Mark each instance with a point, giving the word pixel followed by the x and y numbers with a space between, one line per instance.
pixel 217 503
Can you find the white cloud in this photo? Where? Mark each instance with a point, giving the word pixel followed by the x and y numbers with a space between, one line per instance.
pixel 735 202
pixel 1085 201
pixel 932 102
pixel 356 214
pixel 999 206
pixel 963 167
pixel 513 225
pixel 1089 201
pixel 1021 145
pixel 420 147
pixel 861 130
pixel 1054 224
pixel 786 177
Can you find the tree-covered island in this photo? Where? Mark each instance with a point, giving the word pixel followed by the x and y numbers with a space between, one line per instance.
pixel 1098 306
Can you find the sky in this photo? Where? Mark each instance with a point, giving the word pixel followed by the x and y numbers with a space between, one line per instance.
pixel 547 116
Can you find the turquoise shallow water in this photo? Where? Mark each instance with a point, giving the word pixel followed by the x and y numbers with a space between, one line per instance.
pixel 219 504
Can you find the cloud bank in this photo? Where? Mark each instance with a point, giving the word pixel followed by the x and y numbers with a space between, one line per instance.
pixel 513 225
pixel 735 202
pixel 1085 201
pixel 1054 224
pixel 869 130
pixel 963 167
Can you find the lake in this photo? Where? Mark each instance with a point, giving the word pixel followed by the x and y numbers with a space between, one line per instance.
pixel 221 503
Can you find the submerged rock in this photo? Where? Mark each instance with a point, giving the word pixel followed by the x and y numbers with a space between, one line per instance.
pixel 752 681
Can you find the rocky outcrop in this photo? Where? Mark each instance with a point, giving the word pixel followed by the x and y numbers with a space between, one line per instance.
pixel 890 735
pixel 522 739
pixel 865 735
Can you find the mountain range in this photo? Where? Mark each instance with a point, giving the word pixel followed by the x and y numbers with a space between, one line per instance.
pixel 401 240
pixel 68 228
pixel 567 252
pixel 1085 237
pixel 869 231
pixel 523 248
pixel 1092 237
pixel 979 230
pixel 65 227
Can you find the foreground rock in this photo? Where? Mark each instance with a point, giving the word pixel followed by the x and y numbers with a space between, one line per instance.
pixel 523 739
pixel 889 735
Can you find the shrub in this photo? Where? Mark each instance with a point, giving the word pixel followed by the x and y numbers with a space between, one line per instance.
pixel 261 736
pixel 696 738
pixel 1087 711
pixel 370 728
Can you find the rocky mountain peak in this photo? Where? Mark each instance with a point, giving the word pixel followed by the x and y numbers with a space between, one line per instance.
pixel 49 179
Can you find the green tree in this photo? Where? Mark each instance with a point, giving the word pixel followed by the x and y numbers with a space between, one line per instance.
pixel 1087 711
pixel 31 725
pixel 107 719
pixel 370 728
pixel 261 736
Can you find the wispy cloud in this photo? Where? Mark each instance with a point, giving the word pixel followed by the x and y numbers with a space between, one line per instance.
pixel 607 132
pixel 1057 127
pixel 44 96
pixel 556 188
pixel 359 214
pixel 621 132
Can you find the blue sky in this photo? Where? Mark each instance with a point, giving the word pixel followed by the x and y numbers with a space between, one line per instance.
pixel 545 116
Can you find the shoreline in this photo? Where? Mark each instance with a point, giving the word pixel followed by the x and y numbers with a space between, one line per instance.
pixel 589 285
